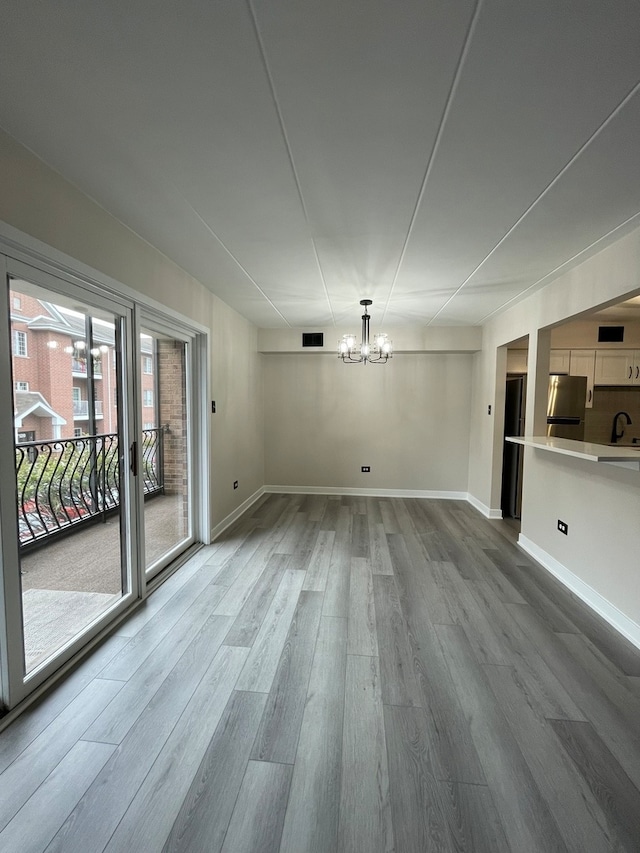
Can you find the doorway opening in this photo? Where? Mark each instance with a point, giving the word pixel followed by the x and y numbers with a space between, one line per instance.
pixel 514 425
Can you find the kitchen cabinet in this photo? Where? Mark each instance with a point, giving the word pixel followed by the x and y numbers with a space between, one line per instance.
pixel 583 363
pixel 517 360
pixel 617 367
pixel 559 360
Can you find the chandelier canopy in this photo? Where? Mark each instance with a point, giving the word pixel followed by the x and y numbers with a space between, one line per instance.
pixel 377 352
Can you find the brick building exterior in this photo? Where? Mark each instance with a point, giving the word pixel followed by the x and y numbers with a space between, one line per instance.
pixel 51 364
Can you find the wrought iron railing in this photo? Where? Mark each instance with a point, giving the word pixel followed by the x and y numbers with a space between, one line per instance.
pixel 63 484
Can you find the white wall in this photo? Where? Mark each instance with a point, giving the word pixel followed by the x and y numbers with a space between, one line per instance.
pixel 407 419
pixel 38 202
pixel 601 503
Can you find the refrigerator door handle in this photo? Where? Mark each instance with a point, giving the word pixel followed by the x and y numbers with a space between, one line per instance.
pixel 566 421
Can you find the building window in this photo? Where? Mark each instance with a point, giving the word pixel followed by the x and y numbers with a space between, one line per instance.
pixel 149 425
pixel 147 364
pixel 22 386
pixel 19 343
pixel 77 432
pixel 17 303
pixel 77 394
pixel 147 398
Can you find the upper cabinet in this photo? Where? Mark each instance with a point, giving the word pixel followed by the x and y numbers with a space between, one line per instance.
pixel 583 363
pixel 559 360
pixel 617 367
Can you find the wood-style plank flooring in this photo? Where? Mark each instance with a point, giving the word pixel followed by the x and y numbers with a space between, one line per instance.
pixel 340 674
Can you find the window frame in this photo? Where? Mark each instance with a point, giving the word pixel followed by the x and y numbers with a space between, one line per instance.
pixel 19 335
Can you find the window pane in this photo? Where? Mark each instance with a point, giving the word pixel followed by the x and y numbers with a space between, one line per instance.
pixel 67 471
pixel 166 447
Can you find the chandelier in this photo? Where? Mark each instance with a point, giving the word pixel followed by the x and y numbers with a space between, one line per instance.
pixel 377 352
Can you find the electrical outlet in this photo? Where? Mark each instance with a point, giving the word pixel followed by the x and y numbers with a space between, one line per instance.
pixel 213 407
pixel 235 484
pixel 489 409
pixel 366 469
pixel 563 527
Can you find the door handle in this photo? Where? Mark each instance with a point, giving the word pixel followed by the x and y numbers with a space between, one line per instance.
pixel 637 371
pixel 590 395
pixel 630 371
pixel 133 458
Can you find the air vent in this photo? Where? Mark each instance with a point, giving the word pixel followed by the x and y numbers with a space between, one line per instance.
pixel 610 334
pixel 313 339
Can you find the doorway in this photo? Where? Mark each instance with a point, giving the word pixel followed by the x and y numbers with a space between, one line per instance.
pixel 514 425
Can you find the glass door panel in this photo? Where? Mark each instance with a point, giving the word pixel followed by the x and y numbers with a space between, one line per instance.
pixel 166 447
pixel 71 492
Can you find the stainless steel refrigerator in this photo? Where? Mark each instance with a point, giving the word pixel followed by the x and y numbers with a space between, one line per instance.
pixel 565 419
pixel 566 407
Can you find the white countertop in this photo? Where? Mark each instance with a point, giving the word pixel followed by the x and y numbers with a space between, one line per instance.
pixel 622 456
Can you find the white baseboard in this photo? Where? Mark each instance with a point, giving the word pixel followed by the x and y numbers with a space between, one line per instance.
pixel 237 512
pixel 364 493
pixel 609 612
pixel 483 508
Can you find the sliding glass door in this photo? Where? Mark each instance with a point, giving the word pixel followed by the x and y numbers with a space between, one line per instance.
pixel 71 566
pixel 98 487
pixel 166 416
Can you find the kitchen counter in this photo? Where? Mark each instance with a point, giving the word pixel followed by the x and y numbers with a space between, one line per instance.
pixel 625 457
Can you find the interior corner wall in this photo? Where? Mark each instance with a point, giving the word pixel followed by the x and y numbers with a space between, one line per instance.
pixel 600 503
pixel 237 426
pixel 38 202
pixel 407 419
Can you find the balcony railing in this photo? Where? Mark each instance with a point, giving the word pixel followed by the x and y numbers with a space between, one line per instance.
pixel 81 409
pixel 79 367
pixel 63 484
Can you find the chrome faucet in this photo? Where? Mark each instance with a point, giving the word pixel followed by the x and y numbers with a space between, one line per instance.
pixel 615 435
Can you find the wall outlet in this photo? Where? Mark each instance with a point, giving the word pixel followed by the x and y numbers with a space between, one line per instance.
pixel 366 469
pixel 235 484
pixel 489 409
pixel 213 407
pixel 563 527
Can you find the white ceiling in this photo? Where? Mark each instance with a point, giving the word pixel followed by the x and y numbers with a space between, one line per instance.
pixel 441 158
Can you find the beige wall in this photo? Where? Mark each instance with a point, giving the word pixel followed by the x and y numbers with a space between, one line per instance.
pixel 38 202
pixel 408 420
pixel 601 503
pixel 237 427
pixel 583 334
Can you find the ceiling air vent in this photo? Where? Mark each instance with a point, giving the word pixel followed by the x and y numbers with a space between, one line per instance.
pixel 610 334
pixel 313 339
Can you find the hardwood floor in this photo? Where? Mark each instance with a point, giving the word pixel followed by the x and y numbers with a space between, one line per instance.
pixel 340 674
